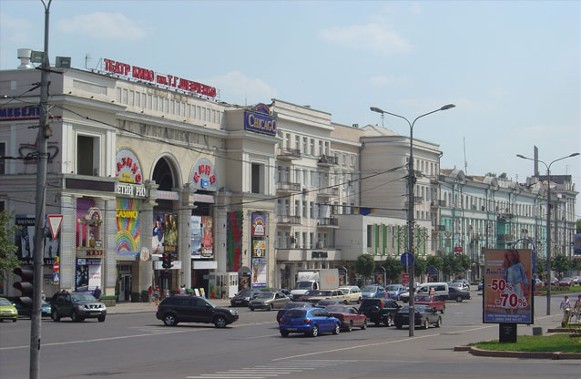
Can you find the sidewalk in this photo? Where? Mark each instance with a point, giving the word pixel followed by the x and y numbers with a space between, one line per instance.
pixel 128 307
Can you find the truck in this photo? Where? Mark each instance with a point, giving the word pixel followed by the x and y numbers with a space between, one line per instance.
pixel 324 279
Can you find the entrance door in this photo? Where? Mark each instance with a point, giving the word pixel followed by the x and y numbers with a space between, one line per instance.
pixel 124 288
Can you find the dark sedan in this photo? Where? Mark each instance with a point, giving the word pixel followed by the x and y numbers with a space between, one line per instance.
pixel 424 316
pixel 457 294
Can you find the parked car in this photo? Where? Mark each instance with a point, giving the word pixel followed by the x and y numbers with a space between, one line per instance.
pixel 186 308
pixel 7 310
pixel 463 284
pixel 327 302
pixel 480 286
pixel 373 291
pixel 242 298
pixel 291 305
pixel 269 301
pixel 379 311
pixel 539 283
pixel 424 316
pixel 77 305
pixel 349 316
pixel 309 321
pixel 26 311
pixel 431 301
pixel 576 280
pixel 458 294
pixel 566 282
pixel 394 290
pixel 314 296
pixel 352 294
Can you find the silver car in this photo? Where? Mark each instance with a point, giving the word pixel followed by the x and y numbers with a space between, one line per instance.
pixel 269 301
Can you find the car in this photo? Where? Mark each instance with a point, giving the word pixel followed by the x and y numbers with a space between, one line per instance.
pixel 7 310
pixel 457 294
pixel 26 311
pixel 379 311
pixel 424 316
pixel 187 308
pixel 463 284
pixel 314 296
pixel 308 321
pixel 394 290
pixel 566 282
pixel 327 302
pixel 352 294
pixel 539 283
pixel 76 305
pixel 576 280
pixel 431 301
pixel 269 301
pixel 373 291
pixel 349 316
pixel 480 286
pixel 438 289
pixel 291 305
pixel 242 298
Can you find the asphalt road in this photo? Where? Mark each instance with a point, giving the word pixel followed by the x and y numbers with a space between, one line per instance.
pixel 136 345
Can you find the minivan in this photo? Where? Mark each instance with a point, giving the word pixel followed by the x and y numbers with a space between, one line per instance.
pixel 439 289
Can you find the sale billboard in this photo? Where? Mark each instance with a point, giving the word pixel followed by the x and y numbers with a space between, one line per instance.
pixel 508 296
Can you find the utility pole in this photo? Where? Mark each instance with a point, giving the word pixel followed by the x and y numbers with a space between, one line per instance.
pixel 44 132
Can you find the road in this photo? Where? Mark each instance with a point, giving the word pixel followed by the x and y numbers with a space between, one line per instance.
pixel 139 346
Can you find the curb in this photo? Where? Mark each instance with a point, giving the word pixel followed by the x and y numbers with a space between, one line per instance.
pixel 518 354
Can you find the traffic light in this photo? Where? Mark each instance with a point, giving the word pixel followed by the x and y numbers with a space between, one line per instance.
pixel 25 286
pixel 166 260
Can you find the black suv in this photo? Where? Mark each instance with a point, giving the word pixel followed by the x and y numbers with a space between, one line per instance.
pixel 187 308
pixel 379 311
pixel 77 305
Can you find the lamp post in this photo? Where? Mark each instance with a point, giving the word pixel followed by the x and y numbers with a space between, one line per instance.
pixel 548 226
pixel 410 211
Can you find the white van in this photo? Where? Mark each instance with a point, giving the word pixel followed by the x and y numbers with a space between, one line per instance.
pixel 439 289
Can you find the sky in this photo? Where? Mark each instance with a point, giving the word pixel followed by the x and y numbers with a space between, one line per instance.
pixel 512 68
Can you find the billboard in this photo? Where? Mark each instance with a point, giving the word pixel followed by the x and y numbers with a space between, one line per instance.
pixel 508 295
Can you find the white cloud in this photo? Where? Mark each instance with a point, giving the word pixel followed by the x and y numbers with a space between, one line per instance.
pixel 237 88
pixel 376 37
pixel 103 26
pixel 382 80
pixel 17 30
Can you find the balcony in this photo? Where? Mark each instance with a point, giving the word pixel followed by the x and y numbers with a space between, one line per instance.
pixel 288 187
pixel 328 192
pixel 288 220
pixel 327 161
pixel 328 222
pixel 288 154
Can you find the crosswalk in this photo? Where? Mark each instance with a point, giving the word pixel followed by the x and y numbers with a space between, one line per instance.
pixel 290 367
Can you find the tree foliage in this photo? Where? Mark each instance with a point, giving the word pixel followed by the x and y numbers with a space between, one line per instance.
pixel 393 269
pixel 561 264
pixel 453 264
pixel 420 266
pixel 8 259
pixel 365 265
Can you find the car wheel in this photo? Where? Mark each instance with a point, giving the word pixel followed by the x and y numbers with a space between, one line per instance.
pixel 220 322
pixel 459 299
pixel 399 326
pixel 169 319
pixel 349 327
pixel 442 311
pixel 101 318
pixel 364 326
pixel 251 308
pixel 284 333
pixel 269 308
pixel 55 316
pixel 315 331
pixel 377 323
pixel 13 320
pixel 75 317
pixel 439 322
pixel 426 324
pixel 337 329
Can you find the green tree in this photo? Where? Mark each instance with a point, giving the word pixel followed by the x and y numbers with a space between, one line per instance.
pixel 540 266
pixel 560 264
pixel 393 269
pixel 365 265
pixel 8 259
pixel 420 266
pixel 449 265
pixel 578 226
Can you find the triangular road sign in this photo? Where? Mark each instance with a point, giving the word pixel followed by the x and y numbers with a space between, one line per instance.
pixel 55 222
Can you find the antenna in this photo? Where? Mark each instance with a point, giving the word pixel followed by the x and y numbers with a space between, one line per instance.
pixel 465 161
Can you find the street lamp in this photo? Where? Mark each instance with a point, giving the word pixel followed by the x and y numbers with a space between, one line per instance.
pixel 410 214
pixel 548 227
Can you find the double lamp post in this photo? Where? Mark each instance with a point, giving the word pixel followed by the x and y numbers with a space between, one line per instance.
pixel 411 177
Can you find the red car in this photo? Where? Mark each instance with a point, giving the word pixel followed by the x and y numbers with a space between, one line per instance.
pixel 431 301
pixel 349 316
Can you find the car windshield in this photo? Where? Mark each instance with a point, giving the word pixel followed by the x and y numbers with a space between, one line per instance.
pixel 245 293
pixel 295 313
pixel 392 288
pixel 5 302
pixel 314 293
pixel 82 297
pixel 296 305
pixel 337 309
pixel 369 289
pixel 303 285
pixel 265 295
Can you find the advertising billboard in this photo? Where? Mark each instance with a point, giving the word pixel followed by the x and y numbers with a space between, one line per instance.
pixel 508 295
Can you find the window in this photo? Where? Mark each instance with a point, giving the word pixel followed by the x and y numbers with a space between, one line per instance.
pixel 305 145
pixel 87 155
pixel 369 235
pixel 2 161
pixel 257 179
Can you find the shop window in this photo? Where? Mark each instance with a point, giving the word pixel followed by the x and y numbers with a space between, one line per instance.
pixel 87 156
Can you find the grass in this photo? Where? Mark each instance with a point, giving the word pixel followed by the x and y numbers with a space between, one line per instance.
pixel 559 342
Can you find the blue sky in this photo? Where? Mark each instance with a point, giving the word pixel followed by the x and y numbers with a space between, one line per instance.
pixel 512 68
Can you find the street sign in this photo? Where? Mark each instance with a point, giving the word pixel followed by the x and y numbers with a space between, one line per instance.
pixel 55 222
pixel 407 259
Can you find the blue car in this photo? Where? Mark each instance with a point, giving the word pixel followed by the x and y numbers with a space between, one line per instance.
pixel 309 321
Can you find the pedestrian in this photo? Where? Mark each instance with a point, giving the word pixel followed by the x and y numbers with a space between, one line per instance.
pixel 149 294
pixel 224 288
pixel 577 309
pixel 97 293
pixel 565 304
pixel 156 294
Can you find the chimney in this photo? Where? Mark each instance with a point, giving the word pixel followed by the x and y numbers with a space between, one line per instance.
pixel 24 56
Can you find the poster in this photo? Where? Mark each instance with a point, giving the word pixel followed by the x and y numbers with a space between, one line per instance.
pixel 508 291
pixel 25 238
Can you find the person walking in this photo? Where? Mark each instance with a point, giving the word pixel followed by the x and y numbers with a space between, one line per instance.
pixel 577 309
pixel 156 295
pixel 149 294
pixel 97 293
pixel 566 307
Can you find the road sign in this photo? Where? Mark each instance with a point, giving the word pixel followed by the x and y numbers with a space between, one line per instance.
pixel 55 222
pixel 407 259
